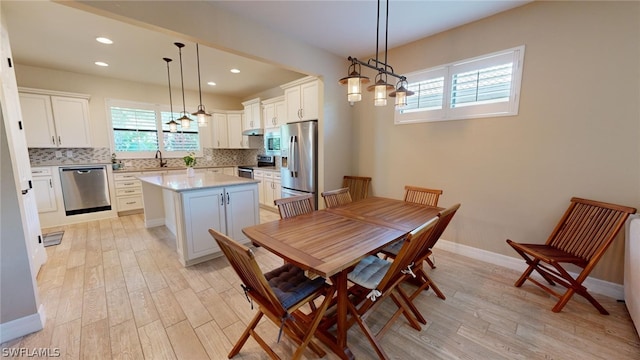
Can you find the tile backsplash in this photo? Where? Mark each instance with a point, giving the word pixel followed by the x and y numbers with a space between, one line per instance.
pixel 77 156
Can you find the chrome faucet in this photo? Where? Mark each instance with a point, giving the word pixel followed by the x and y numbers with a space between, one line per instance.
pixel 162 164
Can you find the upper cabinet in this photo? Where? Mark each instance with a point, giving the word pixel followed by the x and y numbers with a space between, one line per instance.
pixel 301 99
pixel 236 139
pixel 252 115
pixel 273 112
pixel 220 131
pixel 54 119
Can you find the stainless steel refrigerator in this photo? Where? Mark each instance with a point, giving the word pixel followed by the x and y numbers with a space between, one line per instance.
pixel 299 172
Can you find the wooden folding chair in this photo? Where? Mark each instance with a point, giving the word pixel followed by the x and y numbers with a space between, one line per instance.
pixel 378 279
pixel 582 236
pixel 421 279
pixel 294 206
pixel 279 294
pixel 358 186
pixel 423 196
pixel 335 198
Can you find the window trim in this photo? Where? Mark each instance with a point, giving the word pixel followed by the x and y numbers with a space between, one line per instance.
pixel 158 109
pixel 446 113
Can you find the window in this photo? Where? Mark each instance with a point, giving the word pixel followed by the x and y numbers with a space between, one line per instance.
pixel 485 86
pixel 137 128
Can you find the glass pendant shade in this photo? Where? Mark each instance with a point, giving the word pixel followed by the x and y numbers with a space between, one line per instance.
pixel 401 99
pixel 354 89
pixel 185 122
pixel 380 95
pixel 173 126
pixel 401 94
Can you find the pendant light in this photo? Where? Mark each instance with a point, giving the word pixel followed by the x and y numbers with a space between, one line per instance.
pixel 185 122
pixel 401 93
pixel 173 126
pixel 380 87
pixel 201 113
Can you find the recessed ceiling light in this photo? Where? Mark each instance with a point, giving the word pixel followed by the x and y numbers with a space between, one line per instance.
pixel 235 71
pixel 211 83
pixel 104 40
pixel 100 63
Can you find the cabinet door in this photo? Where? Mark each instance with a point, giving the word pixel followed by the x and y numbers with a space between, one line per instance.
pixel 257 175
pixel 45 195
pixel 292 104
pixel 71 116
pixel 269 116
pixel 220 131
pixel 242 210
pixel 279 113
pixel 234 123
pixel 37 117
pixel 309 100
pixel 203 210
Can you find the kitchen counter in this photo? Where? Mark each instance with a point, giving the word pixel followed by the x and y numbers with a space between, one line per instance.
pixel 190 206
pixel 137 169
pixel 180 182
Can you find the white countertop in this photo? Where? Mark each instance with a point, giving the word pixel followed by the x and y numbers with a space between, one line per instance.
pixel 180 182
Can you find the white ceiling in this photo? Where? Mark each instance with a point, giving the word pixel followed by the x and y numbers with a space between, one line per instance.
pixel 56 36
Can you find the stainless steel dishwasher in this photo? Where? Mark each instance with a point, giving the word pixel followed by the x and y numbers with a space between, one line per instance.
pixel 85 189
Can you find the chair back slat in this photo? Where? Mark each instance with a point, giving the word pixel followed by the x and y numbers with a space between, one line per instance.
pixel 444 218
pixel 293 206
pixel 358 186
pixel 335 198
pixel 413 242
pixel 588 227
pixel 246 267
pixel 423 196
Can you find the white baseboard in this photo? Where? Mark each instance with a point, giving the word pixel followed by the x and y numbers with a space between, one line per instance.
pixel 594 285
pixel 154 222
pixel 25 325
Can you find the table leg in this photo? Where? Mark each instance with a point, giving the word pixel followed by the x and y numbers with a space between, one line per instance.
pixel 340 281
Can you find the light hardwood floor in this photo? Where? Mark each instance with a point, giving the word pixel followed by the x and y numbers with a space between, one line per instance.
pixel 113 289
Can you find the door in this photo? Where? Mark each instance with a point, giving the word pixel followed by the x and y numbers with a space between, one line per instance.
pixel 242 210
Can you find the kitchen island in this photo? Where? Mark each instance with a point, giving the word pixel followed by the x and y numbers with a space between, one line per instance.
pixel 189 206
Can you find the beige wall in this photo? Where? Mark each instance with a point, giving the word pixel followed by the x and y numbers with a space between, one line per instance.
pixel 102 88
pixel 577 132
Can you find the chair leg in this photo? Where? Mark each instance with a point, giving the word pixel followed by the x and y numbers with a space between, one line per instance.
pixel 367 332
pixel 429 282
pixel 245 335
pixel 431 264
pixel 314 324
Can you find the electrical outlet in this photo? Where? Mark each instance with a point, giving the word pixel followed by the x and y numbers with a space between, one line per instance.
pixel 69 153
pixel 58 154
pixel 209 158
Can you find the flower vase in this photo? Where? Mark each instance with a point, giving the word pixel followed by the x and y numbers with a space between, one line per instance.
pixel 191 172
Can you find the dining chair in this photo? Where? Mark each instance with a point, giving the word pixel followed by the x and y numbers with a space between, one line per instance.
pixel 420 195
pixel 358 186
pixel 294 206
pixel 375 279
pixel 581 237
pixel 335 198
pixel 279 294
pixel 422 278
pixel 423 196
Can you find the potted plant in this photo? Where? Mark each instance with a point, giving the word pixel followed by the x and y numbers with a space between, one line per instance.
pixel 190 162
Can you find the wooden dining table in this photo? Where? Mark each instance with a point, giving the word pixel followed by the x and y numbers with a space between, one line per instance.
pixel 331 242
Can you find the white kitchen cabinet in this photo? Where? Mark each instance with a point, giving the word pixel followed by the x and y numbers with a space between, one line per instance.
pixel 55 121
pixel 272 188
pixel 273 112
pixel 220 131
pixel 302 100
pixel 45 194
pixel 259 175
pixel 252 115
pixel 236 139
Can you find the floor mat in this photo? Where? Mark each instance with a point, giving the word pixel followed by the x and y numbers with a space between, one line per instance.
pixel 53 238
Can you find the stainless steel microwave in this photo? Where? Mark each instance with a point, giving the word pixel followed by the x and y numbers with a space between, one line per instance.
pixel 272 143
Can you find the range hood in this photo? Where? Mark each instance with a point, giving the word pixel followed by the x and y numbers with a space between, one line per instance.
pixel 253 132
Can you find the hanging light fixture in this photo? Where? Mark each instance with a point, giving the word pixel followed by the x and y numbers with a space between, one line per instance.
pixel 173 126
pixel 185 121
pixel 401 93
pixel 381 86
pixel 201 113
pixel 354 81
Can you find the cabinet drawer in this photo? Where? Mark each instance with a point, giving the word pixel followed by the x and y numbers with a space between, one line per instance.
pixel 268 175
pixel 127 176
pixel 128 183
pixel 129 202
pixel 38 171
pixel 128 191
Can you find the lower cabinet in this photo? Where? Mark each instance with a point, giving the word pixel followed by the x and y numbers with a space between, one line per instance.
pixel 42 179
pixel 272 188
pixel 228 210
pixel 128 191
